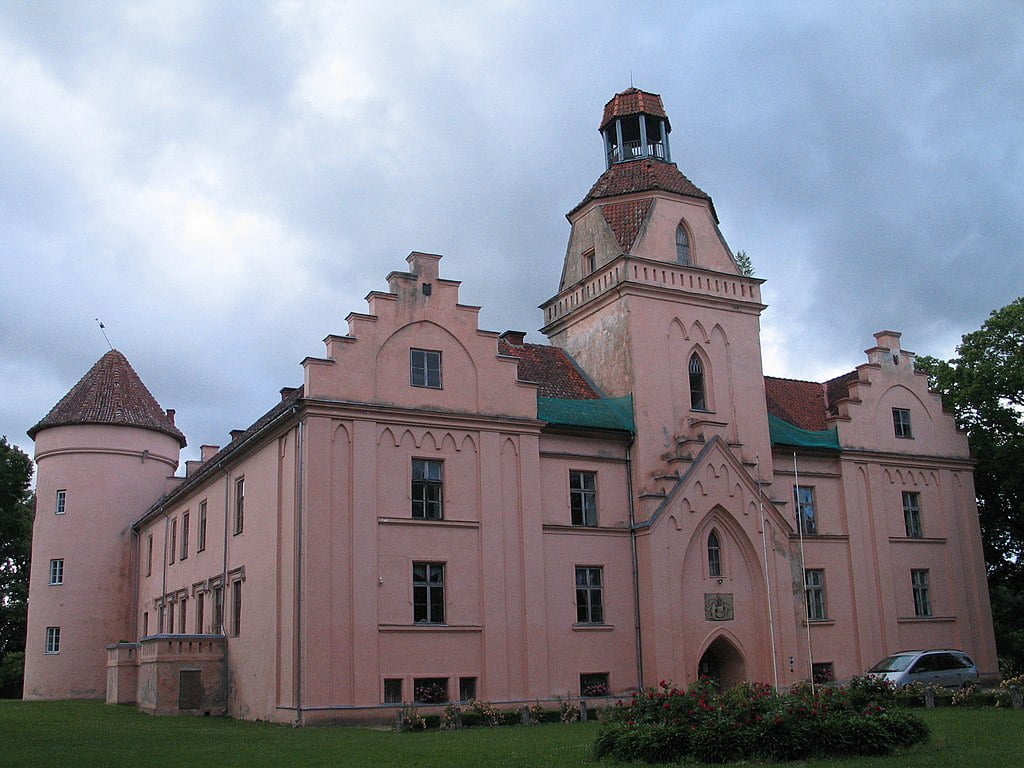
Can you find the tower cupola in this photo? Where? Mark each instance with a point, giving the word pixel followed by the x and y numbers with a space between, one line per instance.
pixel 635 126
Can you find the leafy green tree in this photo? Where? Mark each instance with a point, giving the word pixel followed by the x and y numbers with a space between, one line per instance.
pixel 745 263
pixel 984 386
pixel 16 510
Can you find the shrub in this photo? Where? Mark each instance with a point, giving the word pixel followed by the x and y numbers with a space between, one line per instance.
pixel 903 729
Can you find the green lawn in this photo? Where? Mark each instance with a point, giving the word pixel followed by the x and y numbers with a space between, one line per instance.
pixel 94 734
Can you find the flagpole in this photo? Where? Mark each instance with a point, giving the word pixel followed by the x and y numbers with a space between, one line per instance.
pixel 803 569
pixel 767 575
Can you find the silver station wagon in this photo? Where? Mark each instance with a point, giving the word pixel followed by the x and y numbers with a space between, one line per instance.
pixel 946 667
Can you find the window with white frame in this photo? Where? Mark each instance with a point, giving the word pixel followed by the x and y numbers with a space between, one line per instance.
pixel 807 515
pixel 919 584
pixel 425 368
pixel 201 535
pixel 589 598
pixel 428 593
pixel 714 556
pixel 901 422
pixel 52 640
pixel 184 535
pixel 814 587
pixel 62 503
pixel 427 489
pixel 239 505
pixel 912 514
pixel 57 571
pixel 583 497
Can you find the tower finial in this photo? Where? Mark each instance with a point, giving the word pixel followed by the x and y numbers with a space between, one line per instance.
pixel 104 332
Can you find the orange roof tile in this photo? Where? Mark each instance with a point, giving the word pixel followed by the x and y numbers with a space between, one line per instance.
pixel 550 367
pixel 625 219
pixel 110 393
pixel 632 101
pixel 643 175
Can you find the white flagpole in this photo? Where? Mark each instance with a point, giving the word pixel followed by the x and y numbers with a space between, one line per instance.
pixel 767 575
pixel 803 569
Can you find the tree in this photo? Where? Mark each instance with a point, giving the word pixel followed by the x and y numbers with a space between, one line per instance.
pixel 16 510
pixel 745 264
pixel 984 386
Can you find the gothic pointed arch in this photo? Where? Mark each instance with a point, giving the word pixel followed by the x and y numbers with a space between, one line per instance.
pixel 684 251
pixel 714 555
pixel 696 371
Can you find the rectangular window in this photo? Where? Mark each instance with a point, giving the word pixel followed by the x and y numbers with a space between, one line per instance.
pixel 583 497
pixel 467 688
pixel 919 582
pixel 427 489
pixel 53 639
pixel 589 606
pixel 236 607
pixel 594 684
pixel 589 262
pixel 901 422
pixel 912 514
pixel 814 587
pixel 149 555
pixel 145 623
pixel 218 610
pixel 201 536
pixel 425 368
pixel 805 509
pixel 823 672
pixel 428 593
pixel 60 509
pixel 184 536
pixel 160 621
pixel 239 505
pixel 170 619
pixel 57 571
pixel 392 690
pixel 430 690
pixel 174 540
pixel 182 614
pixel 200 611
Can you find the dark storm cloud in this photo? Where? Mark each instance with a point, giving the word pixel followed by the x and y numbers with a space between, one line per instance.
pixel 223 185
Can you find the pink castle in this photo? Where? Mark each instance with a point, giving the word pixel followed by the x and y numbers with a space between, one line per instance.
pixel 442 513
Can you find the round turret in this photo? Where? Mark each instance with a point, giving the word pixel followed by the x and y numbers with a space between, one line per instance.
pixel 104 454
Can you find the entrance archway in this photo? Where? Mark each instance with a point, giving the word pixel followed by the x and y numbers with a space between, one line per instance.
pixel 723 663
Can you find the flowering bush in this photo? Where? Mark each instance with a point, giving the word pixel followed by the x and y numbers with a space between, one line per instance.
pixel 667 723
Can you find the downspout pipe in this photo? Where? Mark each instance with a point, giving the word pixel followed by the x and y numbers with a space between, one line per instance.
pixel 299 500
pixel 636 570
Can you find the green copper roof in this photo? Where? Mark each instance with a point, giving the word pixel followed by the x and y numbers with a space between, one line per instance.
pixel 606 413
pixel 784 433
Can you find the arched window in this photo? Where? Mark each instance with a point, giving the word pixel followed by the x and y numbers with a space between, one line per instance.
pixel 682 246
pixel 714 556
pixel 698 402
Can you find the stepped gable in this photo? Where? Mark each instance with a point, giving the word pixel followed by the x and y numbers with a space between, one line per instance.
pixel 642 175
pixel 632 101
pixel 625 220
pixel 839 388
pixel 550 367
pixel 801 403
pixel 110 393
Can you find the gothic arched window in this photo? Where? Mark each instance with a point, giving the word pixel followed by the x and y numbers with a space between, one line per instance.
pixel 698 401
pixel 682 246
pixel 714 556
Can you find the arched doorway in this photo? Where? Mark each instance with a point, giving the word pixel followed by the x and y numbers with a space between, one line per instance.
pixel 723 663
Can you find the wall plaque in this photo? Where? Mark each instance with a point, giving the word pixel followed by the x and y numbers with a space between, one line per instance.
pixel 718 606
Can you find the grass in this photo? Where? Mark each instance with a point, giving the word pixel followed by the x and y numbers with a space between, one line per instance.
pixel 86 733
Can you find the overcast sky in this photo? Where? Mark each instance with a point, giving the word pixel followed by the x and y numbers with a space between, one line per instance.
pixel 222 183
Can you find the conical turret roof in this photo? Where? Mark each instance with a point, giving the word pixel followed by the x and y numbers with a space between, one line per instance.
pixel 110 393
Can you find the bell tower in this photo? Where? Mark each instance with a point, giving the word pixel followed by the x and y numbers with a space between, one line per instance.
pixel 651 302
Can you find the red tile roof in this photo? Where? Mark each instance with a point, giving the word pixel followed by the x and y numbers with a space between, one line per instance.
pixel 801 403
pixel 838 388
pixel 550 367
pixel 625 219
pixel 643 175
pixel 110 393
pixel 632 101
